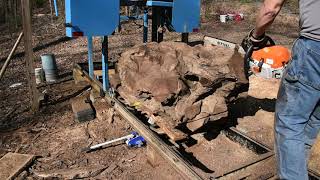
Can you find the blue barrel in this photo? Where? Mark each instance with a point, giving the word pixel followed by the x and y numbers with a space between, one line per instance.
pixel 49 66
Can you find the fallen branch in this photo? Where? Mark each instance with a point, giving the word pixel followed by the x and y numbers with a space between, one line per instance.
pixel 6 63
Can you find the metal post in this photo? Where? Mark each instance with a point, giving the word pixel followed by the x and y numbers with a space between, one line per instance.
pixel 161 24
pixel 155 24
pixel 145 26
pixel 105 69
pixel 185 37
pixel 55 7
pixel 119 24
pixel 90 54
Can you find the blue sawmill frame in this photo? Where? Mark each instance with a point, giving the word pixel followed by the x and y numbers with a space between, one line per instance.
pixel 100 18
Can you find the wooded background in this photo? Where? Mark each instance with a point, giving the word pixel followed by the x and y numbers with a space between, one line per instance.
pixel 10 12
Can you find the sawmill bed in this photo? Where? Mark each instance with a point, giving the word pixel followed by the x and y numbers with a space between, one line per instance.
pixel 216 154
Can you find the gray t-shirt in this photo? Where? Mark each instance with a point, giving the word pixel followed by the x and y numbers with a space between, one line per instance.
pixel 310 19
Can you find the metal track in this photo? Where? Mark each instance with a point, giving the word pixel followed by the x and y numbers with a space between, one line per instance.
pixel 313 175
pixel 172 154
pixel 239 137
pixel 255 146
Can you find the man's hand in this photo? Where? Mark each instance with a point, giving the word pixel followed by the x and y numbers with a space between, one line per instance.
pixel 254 43
pixel 266 15
pixel 257 38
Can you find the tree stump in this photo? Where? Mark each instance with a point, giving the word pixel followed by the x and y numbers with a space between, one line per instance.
pixel 184 85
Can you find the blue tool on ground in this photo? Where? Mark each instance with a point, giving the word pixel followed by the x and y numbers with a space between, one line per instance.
pixel 132 140
pixel 137 141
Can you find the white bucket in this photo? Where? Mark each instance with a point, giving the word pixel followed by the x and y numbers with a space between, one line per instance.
pixel 50 68
pixel 39 74
pixel 241 15
pixel 223 18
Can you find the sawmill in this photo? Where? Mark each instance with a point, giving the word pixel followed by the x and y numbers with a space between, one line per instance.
pixel 181 102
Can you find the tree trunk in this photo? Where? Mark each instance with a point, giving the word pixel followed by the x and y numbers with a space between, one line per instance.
pixel 5 6
pixel 51 12
pixel 15 7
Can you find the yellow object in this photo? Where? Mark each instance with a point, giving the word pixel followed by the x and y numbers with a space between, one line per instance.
pixel 137 104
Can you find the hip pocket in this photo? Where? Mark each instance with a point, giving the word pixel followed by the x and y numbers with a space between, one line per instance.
pixel 288 96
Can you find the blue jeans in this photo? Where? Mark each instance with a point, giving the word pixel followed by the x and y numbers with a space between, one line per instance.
pixel 297 117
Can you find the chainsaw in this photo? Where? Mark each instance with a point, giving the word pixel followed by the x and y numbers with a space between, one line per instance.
pixel 268 62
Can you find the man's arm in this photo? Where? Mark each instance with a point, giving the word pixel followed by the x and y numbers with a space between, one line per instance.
pixel 268 12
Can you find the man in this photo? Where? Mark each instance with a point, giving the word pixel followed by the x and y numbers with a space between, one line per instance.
pixel 297 116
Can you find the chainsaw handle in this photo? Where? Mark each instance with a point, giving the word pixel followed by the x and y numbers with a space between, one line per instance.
pixel 246 61
pixel 249 52
pixel 271 41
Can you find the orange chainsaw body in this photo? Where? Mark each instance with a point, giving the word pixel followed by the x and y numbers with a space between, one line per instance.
pixel 270 62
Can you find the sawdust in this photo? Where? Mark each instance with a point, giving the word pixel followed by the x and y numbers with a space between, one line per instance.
pixel 221 155
pixel 262 88
pixel 259 127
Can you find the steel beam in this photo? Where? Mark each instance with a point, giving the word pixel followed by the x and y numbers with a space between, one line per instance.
pixel 105 69
pixel 159 3
pixel 90 57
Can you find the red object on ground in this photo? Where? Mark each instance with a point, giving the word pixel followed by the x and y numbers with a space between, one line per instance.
pixel 238 18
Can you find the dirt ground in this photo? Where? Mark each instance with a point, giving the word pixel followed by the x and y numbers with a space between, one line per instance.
pixel 56 138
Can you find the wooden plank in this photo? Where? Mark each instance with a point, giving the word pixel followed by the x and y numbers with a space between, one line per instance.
pixel 80 75
pixel 99 72
pixel 12 164
pixel 27 31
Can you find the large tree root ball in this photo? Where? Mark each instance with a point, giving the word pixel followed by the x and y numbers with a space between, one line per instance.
pixel 177 83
